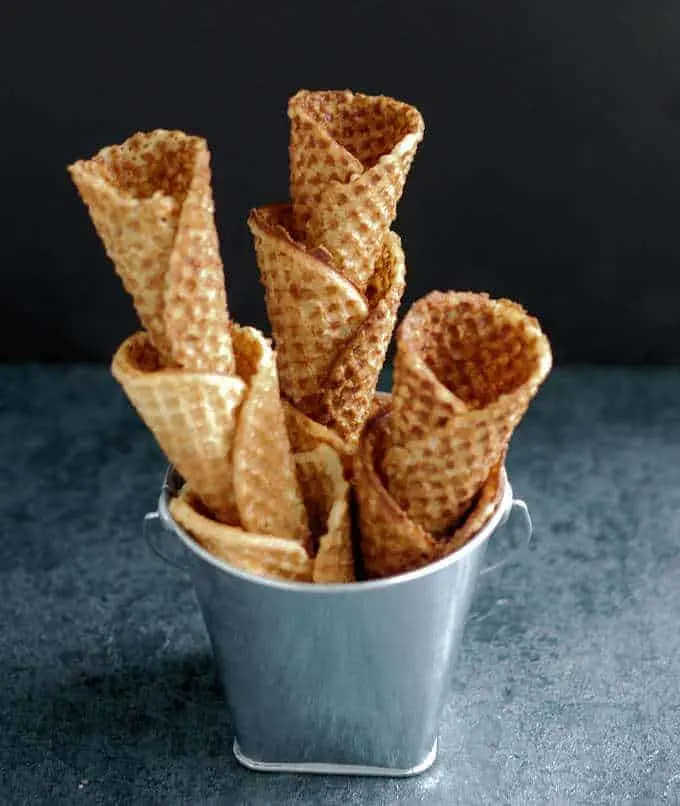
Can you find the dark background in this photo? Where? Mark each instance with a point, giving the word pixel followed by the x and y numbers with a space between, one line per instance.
pixel 549 171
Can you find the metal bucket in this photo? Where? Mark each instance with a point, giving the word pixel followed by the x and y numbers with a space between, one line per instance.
pixel 336 678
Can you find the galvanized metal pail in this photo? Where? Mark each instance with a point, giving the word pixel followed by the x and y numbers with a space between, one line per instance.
pixel 336 678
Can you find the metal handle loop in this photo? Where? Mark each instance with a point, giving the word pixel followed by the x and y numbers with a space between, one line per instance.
pixel 521 545
pixel 155 535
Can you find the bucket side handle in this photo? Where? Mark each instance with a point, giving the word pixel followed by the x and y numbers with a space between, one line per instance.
pixel 157 537
pixel 519 538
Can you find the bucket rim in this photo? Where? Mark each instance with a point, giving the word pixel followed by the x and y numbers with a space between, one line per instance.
pixel 343 588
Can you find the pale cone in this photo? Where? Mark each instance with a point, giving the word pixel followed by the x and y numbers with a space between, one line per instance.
pixel 226 435
pixel 350 155
pixel 392 543
pixel 466 368
pixel 330 338
pixel 150 200
pixel 262 555
pixel 326 495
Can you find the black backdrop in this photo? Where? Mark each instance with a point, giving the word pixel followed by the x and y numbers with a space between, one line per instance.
pixel 549 170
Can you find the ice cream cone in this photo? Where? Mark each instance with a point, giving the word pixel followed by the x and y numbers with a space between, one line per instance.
pixel 225 434
pixel 466 368
pixel 151 202
pixel 391 542
pixel 330 338
pixel 349 158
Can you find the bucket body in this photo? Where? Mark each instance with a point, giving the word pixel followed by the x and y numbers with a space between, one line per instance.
pixel 336 678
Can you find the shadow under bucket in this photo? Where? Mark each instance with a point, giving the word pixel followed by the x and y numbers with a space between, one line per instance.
pixel 342 679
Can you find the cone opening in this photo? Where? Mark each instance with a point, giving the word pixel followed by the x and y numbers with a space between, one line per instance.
pixel 138 354
pixel 249 352
pixel 150 163
pixel 478 348
pixel 274 218
pixel 276 221
pixel 368 127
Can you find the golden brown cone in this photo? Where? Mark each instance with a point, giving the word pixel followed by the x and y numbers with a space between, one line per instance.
pixel 349 158
pixel 151 202
pixel 312 309
pixel 466 368
pixel 226 435
pixel 263 555
pixel 326 494
pixel 392 543
pixel 330 339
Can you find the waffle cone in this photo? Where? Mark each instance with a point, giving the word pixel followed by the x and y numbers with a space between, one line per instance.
pixel 262 555
pixel 151 203
pixel 350 155
pixel 391 542
pixel 326 494
pixel 226 435
pixel 331 339
pixel 465 371
pixel 192 415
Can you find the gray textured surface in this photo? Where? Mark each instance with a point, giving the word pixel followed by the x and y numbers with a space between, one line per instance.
pixel 568 685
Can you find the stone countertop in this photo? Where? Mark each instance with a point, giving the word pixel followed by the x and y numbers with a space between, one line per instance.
pixel 567 688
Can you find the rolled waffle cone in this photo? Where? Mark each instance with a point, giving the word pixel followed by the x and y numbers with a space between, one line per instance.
pixel 391 542
pixel 192 415
pixel 313 309
pixel 331 339
pixel 151 202
pixel 262 555
pixel 226 435
pixel 465 371
pixel 326 495
pixel 349 158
